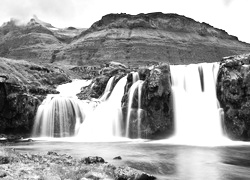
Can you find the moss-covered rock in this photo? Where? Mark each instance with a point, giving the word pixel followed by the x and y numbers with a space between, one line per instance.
pixel 233 92
pixel 156 111
pixel 23 86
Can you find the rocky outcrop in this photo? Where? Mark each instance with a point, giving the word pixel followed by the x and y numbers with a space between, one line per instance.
pixel 156 114
pixel 86 72
pixel 233 92
pixel 23 86
pixel 98 85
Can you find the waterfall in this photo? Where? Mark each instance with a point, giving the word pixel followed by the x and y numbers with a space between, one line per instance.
pixel 104 122
pixel 139 109
pixel 60 115
pixel 63 115
pixel 135 77
pixel 107 89
pixel 197 115
pixel 136 86
pixel 71 89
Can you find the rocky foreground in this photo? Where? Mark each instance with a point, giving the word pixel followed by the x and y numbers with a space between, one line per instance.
pixel 53 166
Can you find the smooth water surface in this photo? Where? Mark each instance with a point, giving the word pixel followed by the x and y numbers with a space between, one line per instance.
pixel 165 161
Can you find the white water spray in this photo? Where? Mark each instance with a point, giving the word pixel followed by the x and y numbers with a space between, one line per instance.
pixel 104 122
pixel 60 115
pixel 107 89
pixel 196 111
pixel 139 111
pixel 135 76
pixel 136 86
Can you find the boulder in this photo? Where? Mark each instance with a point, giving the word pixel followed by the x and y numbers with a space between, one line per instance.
pixel 233 93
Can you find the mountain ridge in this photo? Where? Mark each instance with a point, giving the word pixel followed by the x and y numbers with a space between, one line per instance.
pixel 111 18
pixel 130 39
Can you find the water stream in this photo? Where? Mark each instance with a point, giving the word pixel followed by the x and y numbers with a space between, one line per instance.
pixel 136 87
pixel 197 151
pixel 197 114
pixel 104 122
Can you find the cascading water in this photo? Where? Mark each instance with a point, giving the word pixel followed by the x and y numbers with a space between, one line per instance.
pixel 60 115
pixel 196 111
pixel 135 77
pixel 136 86
pixel 104 122
pixel 107 89
pixel 139 108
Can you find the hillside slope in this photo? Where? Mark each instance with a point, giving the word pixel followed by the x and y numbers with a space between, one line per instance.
pixel 36 41
pixel 145 38
pixel 130 39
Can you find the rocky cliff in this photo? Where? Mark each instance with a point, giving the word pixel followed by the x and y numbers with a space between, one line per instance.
pixel 23 86
pixel 233 92
pixel 130 39
pixel 156 107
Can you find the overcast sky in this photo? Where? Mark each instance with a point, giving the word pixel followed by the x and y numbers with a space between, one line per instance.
pixel 230 15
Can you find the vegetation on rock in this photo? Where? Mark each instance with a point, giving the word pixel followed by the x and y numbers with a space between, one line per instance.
pixel 233 92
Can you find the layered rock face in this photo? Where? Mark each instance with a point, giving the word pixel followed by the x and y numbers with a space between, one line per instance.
pixel 233 92
pixel 23 86
pixel 149 38
pixel 156 108
pixel 130 39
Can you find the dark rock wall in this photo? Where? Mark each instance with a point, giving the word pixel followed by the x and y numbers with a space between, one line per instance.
pixel 18 109
pixel 23 86
pixel 233 92
pixel 156 104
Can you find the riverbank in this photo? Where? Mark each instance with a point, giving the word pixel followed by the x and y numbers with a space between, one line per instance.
pixel 54 166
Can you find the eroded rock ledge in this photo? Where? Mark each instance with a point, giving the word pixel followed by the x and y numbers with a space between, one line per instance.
pixel 233 92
